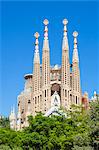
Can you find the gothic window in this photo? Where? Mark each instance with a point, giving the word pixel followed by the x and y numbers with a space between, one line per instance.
pixel 73 98
pixel 40 97
pixel 45 93
pixel 65 93
pixel 76 99
pixel 68 95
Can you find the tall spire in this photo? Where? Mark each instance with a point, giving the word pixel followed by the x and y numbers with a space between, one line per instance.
pixel 75 52
pixel 12 119
pixel 65 45
pixel 46 92
pixel 36 54
pixel 19 118
pixel 46 42
pixel 12 114
pixel 36 69
pixel 36 77
pixel 76 88
pixel 65 69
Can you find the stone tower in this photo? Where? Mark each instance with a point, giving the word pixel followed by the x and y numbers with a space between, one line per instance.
pixel 19 125
pixel 76 89
pixel 12 119
pixel 36 78
pixel 46 91
pixel 65 70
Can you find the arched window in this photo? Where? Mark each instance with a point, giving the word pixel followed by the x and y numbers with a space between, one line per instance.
pixel 65 93
pixel 76 99
pixel 45 93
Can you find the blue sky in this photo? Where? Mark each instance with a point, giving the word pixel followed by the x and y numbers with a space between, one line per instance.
pixel 20 20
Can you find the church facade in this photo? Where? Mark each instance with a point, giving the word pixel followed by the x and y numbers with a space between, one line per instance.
pixel 46 83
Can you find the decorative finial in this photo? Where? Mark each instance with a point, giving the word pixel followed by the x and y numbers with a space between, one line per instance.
pixel 75 34
pixel 36 35
pixel 36 42
pixel 46 22
pixel 65 21
pixel 75 52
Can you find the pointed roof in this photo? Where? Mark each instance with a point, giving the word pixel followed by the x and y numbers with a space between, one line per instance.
pixel 75 51
pixel 12 114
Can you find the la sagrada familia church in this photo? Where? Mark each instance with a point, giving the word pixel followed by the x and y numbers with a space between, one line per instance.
pixel 49 88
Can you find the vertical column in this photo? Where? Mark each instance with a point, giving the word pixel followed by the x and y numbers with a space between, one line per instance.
pixel 19 119
pixel 12 119
pixel 76 73
pixel 46 99
pixel 36 77
pixel 65 71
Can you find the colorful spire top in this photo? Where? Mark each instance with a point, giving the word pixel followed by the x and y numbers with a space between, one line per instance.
pixel 36 35
pixel 36 42
pixel 65 22
pixel 46 42
pixel 65 45
pixel 75 52
pixel 36 54
pixel 46 22
pixel 75 33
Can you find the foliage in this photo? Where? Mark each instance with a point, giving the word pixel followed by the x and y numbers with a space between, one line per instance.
pixel 94 115
pixel 79 131
pixel 4 122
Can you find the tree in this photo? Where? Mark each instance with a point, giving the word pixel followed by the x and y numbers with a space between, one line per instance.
pixel 4 122
pixel 94 125
pixel 77 131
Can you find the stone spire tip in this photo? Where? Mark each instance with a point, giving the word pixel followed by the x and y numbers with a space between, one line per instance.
pixel 75 34
pixel 65 21
pixel 46 22
pixel 36 35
